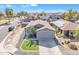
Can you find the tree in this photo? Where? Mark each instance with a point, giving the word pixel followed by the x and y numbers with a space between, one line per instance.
pixel 42 13
pixel 22 13
pixel 9 12
pixel 31 30
pixel 77 16
pixel 76 33
pixel 71 15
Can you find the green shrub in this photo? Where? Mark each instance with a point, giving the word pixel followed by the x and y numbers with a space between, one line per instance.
pixel 29 45
pixel 73 46
pixel 66 41
pixel 76 34
pixel 58 34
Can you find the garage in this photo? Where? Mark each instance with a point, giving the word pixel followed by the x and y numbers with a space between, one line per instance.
pixel 45 33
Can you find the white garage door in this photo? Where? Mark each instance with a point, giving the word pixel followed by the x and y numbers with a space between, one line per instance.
pixel 45 34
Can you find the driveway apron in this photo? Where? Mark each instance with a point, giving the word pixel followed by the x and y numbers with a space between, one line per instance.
pixel 48 47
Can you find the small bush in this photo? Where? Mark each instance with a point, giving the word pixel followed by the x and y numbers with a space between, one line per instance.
pixel 76 34
pixel 63 43
pixel 58 34
pixel 66 41
pixel 73 46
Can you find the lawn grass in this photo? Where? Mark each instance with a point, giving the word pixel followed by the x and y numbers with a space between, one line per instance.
pixel 3 21
pixel 29 45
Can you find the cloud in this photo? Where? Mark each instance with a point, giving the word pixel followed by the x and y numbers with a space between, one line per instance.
pixel 37 10
pixel 8 6
pixel 29 5
pixel 24 5
pixel 33 5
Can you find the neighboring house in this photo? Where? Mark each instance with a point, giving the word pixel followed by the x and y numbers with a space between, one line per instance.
pixel 51 16
pixel 25 21
pixel 54 16
pixel 65 26
pixel 44 17
pixel 43 29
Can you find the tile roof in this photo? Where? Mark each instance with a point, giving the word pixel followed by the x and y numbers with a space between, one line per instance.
pixel 59 23
pixel 41 22
pixel 70 26
pixel 46 27
pixel 66 25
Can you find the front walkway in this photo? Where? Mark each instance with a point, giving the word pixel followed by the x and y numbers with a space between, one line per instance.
pixel 48 47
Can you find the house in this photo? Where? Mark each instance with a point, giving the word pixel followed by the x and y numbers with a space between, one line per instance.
pixel 65 26
pixel 51 16
pixel 25 21
pixel 45 33
pixel 44 17
pixel 54 16
pixel 43 29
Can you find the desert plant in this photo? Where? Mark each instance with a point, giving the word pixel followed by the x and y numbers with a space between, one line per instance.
pixel 71 15
pixel 66 41
pixel 76 34
pixel 58 34
pixel 73 46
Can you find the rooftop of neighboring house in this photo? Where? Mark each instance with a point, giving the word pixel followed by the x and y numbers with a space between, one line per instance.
pixel 27 20
pixel 66 25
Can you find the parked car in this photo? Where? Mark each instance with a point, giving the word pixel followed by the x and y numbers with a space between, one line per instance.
pixel 10 28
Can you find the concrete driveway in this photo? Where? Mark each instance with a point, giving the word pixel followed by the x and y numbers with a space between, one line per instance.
pixel 48 47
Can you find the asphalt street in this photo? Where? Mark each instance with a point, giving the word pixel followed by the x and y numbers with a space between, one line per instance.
pixel 4 28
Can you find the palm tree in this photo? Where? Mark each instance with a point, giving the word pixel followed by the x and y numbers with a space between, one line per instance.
pixel 9 13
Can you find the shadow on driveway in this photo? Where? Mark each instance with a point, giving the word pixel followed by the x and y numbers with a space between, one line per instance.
pixel 48 42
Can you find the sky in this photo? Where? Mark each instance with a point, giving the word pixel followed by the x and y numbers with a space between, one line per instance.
pixel 39 7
